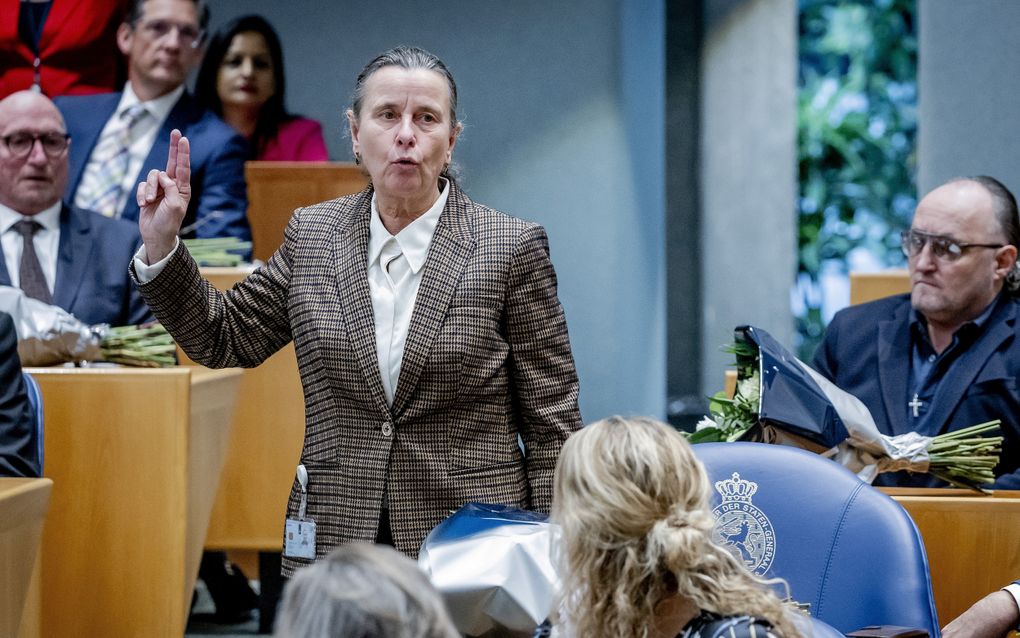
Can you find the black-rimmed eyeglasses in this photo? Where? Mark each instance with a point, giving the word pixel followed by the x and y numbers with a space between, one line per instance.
pixel 20 143
pixel 944 248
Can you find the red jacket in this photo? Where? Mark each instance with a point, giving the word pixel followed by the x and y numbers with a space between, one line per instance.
pixel 78 48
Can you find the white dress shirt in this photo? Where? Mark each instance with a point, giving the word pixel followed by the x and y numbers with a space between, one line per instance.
pixel 395 288
pixel 145 132
pixel 46 240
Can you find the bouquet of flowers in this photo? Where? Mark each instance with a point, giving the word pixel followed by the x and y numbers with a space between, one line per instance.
pixel 779 399
pixel 48 335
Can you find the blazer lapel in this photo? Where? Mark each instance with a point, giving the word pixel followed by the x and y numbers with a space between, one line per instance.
pixel 5 277
pixel 962 372
pixel 894 367
pixel 451 247
pixel 74 254
pixel 350 252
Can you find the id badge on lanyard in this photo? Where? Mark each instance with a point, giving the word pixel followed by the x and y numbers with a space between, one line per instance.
pixel 299 534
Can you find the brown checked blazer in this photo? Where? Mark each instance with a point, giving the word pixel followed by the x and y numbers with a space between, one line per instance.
pixel 487 358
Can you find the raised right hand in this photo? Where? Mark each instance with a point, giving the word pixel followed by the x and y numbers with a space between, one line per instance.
pixel 163 200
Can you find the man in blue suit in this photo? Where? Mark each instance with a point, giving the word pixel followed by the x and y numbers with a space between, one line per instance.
pixel 120 137
pixel 947 355
pixel 58 254
pixel 19 454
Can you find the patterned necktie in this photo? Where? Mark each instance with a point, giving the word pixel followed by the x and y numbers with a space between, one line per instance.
pixel 103 186
pixel 33 282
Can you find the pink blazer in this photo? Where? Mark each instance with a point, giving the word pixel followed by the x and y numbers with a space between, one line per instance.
pixel 299 140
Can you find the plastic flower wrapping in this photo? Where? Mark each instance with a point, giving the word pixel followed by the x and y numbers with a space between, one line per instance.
pixel 493 566
pixel 780 399
pixel 49 335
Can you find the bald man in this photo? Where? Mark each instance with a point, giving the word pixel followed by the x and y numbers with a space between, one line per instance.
pixel 61 255
pixel 946 356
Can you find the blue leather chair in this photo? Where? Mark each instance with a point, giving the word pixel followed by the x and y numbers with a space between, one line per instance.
pixel 845 548
pixel 35 398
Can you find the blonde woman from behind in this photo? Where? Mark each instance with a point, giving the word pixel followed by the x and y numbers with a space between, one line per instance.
pixel 636 556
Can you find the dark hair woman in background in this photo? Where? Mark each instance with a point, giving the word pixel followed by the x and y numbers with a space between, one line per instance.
pixel 241 80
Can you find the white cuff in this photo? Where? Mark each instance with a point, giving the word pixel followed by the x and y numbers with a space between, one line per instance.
pixel 1014 591
pixel 147 272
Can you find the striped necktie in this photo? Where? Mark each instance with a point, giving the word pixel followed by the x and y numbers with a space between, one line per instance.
pixel 103 186
pixel 30 272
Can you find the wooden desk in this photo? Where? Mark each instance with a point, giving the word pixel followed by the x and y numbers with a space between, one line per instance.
pixel 135 456
pixel 275 189
pixel 23 505
pixel 264 448
pixel 973 542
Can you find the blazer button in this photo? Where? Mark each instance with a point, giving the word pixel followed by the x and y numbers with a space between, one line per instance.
pixel 387 428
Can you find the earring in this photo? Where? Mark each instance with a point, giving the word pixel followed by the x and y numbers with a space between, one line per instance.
pixel 357 159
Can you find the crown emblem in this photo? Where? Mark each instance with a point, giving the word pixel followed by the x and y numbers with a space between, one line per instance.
pixel 736 489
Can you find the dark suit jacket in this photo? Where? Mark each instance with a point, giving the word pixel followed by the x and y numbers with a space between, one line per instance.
pixel 219 201
pixel 487 358
pixel 18 453
pixel 866 351
pixel 92 280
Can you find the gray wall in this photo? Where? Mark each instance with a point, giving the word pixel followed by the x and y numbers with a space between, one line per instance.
pixel 968 91
pixel 563 107
pixel 748 173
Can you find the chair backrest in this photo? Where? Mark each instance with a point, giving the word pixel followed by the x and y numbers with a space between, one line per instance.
pixel 869 286
pixel 275 189
pixel 35 398
pixel 845 548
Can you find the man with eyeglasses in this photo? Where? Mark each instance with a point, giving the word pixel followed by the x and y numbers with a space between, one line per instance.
pixel 947 355
pixel 58 254
pixel 120 137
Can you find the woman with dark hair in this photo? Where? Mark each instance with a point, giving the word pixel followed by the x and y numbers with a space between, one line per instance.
pixel 242 81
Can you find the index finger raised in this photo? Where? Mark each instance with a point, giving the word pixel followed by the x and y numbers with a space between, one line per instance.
pixel 171 160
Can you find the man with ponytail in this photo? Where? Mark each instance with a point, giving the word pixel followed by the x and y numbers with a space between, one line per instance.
pixel 946 356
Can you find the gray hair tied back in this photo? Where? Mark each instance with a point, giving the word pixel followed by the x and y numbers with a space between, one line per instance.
pixel 409 58
pixel 1008 218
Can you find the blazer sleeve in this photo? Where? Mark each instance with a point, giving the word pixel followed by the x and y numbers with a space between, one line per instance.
pixel 239 328
pixel 18 456
pixel 311 146
pixel 543 378
pixel 222 208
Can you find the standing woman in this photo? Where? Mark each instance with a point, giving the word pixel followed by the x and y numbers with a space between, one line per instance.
pixel 431 343
pixel 636 557
pixel 242 81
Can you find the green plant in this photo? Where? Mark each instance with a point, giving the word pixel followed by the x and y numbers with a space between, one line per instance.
pixel 857 126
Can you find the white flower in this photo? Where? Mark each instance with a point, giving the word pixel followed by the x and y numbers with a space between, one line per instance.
pixel 705 422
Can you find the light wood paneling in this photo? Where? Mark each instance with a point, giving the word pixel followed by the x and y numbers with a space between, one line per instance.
pixel 875 285
pixel 275 189
pixel 135 456
pixel 265 445
pixel 23 506
pixel 971 540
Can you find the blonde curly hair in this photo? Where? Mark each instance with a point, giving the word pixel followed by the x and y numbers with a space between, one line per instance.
pixel 632 501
